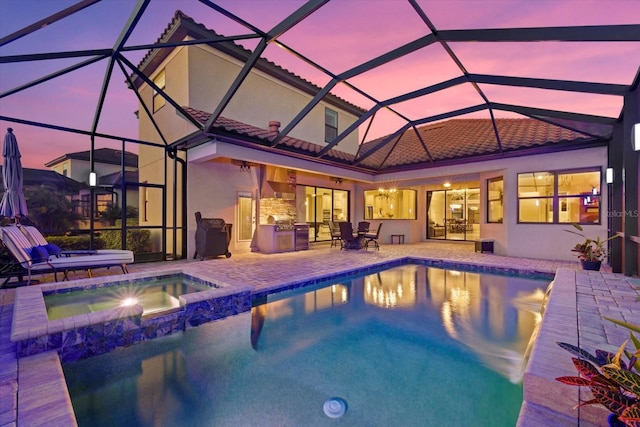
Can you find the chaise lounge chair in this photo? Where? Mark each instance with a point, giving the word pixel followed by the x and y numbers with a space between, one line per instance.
pixel 35 255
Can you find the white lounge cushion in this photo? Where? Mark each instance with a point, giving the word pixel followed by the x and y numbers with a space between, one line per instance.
pixel 91 261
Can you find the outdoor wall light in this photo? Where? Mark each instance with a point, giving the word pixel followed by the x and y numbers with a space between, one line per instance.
pixel 635 137
pixel 93 179
pixel 608 175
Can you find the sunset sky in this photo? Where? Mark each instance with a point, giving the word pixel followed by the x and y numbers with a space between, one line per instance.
pixel 340 35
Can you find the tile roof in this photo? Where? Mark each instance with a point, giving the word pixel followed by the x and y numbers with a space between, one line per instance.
pixel 115 179
pixel 264 136
pixel 451 140
pixel 100 155
pixel 49 178
pixel 467 138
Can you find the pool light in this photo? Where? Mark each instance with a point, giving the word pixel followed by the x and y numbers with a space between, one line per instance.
pixel 334 407
pixel 128 302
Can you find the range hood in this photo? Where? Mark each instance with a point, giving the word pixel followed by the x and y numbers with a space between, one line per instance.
pixel 276 182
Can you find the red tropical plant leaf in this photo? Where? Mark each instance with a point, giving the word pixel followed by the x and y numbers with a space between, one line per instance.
pixel 631 416
pixel 628 380
pixel 578 381
pixel 579 352
pixel 614 401
pixel 585 368
pixel 588 402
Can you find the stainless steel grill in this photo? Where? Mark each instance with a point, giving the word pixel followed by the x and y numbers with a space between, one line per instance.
pixel 285 225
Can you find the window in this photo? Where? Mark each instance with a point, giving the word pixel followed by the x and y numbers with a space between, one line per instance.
pixel 390 203
pixel 158 100
pixel 102 201
pixel 495 188
pixel 330 125
pixel 245 216
pixel 560 197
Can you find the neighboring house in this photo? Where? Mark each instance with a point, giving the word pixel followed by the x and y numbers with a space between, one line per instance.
pixel 112 184
pixel 519 182
pixel 108 166
pixel 50 179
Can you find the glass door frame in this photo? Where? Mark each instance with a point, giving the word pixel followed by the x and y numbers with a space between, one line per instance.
pixel 338 210
pixel 458 201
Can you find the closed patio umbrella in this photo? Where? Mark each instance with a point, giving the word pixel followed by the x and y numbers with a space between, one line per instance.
pixel 13 204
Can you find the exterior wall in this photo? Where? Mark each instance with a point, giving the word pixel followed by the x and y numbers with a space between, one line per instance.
pixel 548 241
pixel 152 163
pixel 213 191
pixel 260 98
pixel 66 164
pixel 542 241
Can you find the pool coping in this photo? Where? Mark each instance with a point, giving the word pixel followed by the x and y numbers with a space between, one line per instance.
pixel 572 315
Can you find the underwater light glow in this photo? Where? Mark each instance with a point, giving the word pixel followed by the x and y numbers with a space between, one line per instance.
pixel 127 302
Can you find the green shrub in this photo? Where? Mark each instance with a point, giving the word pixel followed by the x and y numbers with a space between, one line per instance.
pixel 138 241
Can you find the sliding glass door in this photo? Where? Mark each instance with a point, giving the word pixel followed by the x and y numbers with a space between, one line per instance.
pixel 453 214
pixel 323 205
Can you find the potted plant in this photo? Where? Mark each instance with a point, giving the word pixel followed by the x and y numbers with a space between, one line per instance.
pixel 614 383
pixel 591 252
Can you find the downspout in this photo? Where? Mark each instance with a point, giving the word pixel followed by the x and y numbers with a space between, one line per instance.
pixel 173 155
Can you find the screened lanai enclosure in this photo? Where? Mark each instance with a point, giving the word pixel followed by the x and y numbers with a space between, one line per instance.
pixel 72 74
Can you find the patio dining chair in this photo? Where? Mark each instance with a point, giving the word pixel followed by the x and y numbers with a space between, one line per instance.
pixel 334 231
pixel 363 227
pixel 372 237
pixel 347 239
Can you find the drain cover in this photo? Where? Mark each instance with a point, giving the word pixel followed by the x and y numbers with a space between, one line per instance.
pixel 335 407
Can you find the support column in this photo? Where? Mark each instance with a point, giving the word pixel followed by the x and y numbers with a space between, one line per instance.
pixel 614 209
pixel 630 159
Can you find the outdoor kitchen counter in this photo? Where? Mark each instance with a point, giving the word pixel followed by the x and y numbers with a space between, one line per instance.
pixel 272 239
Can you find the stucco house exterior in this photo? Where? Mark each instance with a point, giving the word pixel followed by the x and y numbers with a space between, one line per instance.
pixel 517 182
pixel 108 166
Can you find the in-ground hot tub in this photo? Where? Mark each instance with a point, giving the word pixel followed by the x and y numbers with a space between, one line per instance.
pixel 94 316
pixel 156 295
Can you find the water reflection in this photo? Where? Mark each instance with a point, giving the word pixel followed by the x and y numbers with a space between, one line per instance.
pixel 391 288
pixel 495 316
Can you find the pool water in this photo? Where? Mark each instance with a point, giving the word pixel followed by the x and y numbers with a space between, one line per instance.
pixel 154 296
pixel 410 346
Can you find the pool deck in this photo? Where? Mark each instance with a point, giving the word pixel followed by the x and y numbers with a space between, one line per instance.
pixel 33 391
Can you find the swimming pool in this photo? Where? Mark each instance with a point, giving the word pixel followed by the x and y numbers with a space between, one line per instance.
pixel 411 345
